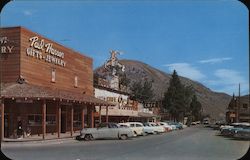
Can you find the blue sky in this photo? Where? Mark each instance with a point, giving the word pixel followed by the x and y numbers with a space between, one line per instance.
pixel 206 41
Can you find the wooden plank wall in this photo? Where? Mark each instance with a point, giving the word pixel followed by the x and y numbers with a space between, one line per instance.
pixel 10 62
pixel 38 71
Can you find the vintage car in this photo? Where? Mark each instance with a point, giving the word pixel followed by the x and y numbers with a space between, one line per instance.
pixel 156 127
pixel 242 134
pixel 148 129
pixel 105 131
pixel 166 126
pixel 137 128
pixel 232 129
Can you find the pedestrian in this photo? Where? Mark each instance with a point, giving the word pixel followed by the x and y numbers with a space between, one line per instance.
pixel 19 129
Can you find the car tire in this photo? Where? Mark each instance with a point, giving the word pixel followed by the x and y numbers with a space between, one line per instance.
pixel 123 137
pixel 144 133
pixel 79 138
pixel 135 134
pixel 88 137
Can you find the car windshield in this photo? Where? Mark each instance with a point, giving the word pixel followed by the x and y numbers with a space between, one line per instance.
pixel 112 125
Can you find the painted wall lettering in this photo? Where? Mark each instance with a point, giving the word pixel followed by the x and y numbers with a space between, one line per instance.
pixel 45 51
pixel 5 47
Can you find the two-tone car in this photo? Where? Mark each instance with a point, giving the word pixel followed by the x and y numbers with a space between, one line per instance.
pixel 105 131
pixel 242 134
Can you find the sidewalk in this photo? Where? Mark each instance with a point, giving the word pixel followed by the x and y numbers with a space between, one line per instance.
pixel 37 140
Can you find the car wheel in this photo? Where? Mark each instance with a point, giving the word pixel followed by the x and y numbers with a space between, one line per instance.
pixel 88 137
pixel 79 138
pixel 123 137
pixel 135 133
pixel 144 133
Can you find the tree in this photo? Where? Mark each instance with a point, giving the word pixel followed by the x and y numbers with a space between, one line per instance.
pixel 124 80
pixel 177 98
pixel 142 91
pixel 173 99
pixel 195 108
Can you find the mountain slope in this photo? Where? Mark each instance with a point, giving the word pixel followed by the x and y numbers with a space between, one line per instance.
pixel 213 103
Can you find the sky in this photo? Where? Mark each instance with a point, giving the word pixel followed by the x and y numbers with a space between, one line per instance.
pixel 204 40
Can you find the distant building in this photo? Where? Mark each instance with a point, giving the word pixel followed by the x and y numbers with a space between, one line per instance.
pixel 238 110
pixel 110 90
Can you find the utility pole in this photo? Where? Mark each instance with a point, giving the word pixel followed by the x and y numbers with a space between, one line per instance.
pixel 238 107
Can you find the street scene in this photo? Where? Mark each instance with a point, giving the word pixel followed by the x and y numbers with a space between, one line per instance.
pixel 113 80
pixel 193 143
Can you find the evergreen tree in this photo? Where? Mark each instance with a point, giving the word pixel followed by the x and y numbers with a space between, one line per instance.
pixel 147 91
pixel 142 91
pixel 173 99
pixel 195 108
pixel 124 80
pixel 136 90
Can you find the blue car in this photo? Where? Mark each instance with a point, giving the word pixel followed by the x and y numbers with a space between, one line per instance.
pixel 242 134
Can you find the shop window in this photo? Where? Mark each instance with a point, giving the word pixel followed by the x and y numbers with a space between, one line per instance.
pixel 53 75
pixel 76 82
pixel 51 119
pixel 245 106
pixel 34 119
pixel 77 122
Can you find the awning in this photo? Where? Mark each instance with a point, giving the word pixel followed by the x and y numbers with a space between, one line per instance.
pixel 16 90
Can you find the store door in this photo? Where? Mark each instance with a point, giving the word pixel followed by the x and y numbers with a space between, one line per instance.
pixel 6 125
pixel 63 123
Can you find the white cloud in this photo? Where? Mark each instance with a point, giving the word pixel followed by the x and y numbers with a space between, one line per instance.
pixel 228 81
pixel 186 70
pixel 27 13
pixel 215 60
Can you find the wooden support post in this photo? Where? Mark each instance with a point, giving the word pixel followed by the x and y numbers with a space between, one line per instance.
pixel 59 114
pixel 71 121
pixel 2 120
pixel 44 118
pixel 83 117
pixel 107 107
pixel 100 114
pixel 92 118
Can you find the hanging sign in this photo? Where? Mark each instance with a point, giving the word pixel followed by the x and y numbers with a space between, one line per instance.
pixel 45 51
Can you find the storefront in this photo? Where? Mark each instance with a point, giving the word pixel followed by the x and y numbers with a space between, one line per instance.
pixel 46 88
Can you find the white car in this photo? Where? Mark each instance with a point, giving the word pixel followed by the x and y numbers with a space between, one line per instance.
pixel 105 131
pixel 148 129
pixel 137 128
pixel 171 125
pixel 166 126
pixel 157 128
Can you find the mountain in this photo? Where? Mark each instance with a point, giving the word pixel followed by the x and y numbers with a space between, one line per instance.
pixel 213 103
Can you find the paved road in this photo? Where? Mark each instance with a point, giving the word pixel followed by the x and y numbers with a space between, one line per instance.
pixel 193 143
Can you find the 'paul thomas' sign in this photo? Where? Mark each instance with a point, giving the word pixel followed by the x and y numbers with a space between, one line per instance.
pixel 39 47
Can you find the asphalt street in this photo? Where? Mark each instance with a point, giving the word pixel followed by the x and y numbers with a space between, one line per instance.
pixel 192 143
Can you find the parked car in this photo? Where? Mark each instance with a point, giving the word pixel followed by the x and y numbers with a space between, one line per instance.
pixel 242 134
pixel 172 125
pixel 233 128
pixel 217 125
pixel 156 127
pixel 105 131
pixel 177 124
pixel 148 129
pixel 166 126
pixel 137 128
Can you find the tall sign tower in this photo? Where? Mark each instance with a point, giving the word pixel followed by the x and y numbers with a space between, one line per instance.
pixel 113 65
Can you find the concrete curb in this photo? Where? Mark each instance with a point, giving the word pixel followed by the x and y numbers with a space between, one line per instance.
pixel 37 142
